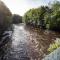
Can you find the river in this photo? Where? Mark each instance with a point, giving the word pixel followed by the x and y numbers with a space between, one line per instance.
pixel 27 43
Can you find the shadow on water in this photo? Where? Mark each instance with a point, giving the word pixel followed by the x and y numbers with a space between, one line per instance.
pixel 27 43
pixel 4 49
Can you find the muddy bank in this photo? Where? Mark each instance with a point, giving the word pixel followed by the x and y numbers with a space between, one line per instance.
pixel 42 38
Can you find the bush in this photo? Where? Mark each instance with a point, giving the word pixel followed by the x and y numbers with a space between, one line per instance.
pixel 35 17
pixel 44 16
pixel 52 20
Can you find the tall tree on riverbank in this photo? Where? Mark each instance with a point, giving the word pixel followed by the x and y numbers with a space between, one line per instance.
pixel 5 17
pixel 44 16
pixel 53 19
pixel 36 16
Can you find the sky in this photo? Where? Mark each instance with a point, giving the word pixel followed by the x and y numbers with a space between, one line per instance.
pixel 21 6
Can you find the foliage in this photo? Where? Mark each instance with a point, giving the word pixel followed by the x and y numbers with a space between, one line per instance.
pixel 55 6
pixel 54 46
pixel 35 16
pixel 17 19
pixel 5 17
pixel 44 16
pixel 53 19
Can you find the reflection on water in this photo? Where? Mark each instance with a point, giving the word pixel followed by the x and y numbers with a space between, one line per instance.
pixel 27 44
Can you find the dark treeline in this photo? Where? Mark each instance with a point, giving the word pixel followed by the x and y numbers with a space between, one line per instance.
pixel 7 18
pixel 45 16
pixel 16 19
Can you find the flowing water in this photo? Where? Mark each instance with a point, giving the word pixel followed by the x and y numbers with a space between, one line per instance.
pixel 27 44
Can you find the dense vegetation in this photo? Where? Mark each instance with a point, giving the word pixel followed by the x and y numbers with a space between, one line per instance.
pixel 44 16
pixel 17 19
pixel 5 17
pixel 6 21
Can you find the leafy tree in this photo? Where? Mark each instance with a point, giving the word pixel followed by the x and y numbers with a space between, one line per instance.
pixel 52 19
pixel 5 17
pixel 55 6
pixel 36 16
pixel 44 16
pixel 17 19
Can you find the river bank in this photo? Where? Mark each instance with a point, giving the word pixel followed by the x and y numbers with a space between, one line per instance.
pixel 44 38
pixel 28 43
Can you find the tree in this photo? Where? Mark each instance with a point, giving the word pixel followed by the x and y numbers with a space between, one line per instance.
pixel 35 16
pixel 5 17
pixel 44 16
pixel 52 19
pixel 17 19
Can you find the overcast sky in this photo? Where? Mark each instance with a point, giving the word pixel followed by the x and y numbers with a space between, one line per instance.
pixel 21 6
